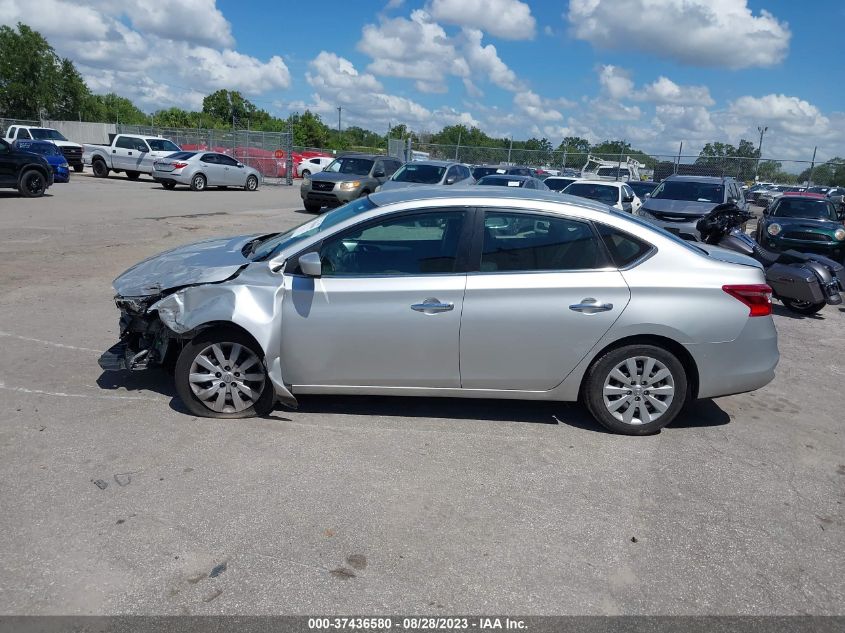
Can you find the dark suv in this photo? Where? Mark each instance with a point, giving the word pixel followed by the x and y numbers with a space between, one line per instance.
pixel 27 172
pixel 347 177
pixel 677 203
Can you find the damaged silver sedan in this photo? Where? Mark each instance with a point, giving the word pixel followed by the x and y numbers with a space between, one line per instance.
pixel 463 293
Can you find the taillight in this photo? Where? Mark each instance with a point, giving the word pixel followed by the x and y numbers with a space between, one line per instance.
pixel 179 165
pixel 758 297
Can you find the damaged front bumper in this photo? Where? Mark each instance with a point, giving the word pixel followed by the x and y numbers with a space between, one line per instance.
pixel 144 341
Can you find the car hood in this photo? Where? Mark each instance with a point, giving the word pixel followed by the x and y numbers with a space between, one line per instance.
pixel 395 184
pixel 199 263
pixel 805 224
pixel 681 207
pixel 331 176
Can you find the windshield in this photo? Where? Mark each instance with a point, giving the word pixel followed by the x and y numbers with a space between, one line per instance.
pixel 690 191
pixel 39 147
pixel 502 181
pixel 602 193
pixel 641 188
pixel 479 172
pixel 423 174
pixel 558 184
pixel 281 241
pixel 807 209
pixel 46 134
pixel 162 145
pixel 350 165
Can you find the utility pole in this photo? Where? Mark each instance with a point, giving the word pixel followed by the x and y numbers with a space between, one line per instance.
pixel 339 110
pixel 510 149
pixel 762 129
pixel 678 162
pixel 812 167
pixel 458 146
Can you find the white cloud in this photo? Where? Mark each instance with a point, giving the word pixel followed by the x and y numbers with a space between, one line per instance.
pixel 161 60
pixel 664 90
pixel 616 82
pixel 508 19
pixel 537 108
pixel 789 114
pixel 486 60
pixel 697 32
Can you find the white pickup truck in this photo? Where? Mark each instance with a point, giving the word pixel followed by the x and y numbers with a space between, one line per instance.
pixel 72 151
pixel 130 153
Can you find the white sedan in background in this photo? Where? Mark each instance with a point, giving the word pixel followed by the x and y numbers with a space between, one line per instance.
pixel 313 165
pixel 618 195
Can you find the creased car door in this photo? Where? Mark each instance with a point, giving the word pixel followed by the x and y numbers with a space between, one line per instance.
pixel 525 324
pixel 386 311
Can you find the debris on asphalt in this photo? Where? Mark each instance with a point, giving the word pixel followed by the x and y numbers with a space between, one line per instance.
pixel 123 479
pixel 219 569
pixel 102 485
pixel 195 578
pixel 633 539
pixel 215 593
pixel 356 561
pixel 121 521
pixel 343 573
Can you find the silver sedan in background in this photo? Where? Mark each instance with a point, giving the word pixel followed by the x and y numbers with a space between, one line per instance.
pixel 477 292
pixel 200 170
pixel 420 173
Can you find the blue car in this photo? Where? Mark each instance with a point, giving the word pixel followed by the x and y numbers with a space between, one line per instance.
pixel 53 155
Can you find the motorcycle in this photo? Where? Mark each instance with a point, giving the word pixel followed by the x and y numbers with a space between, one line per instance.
pixel 803 282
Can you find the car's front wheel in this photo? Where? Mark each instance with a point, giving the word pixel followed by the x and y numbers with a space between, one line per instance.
pixel 251 183
pixel 33 184
pixel 636 389
pixel 221 374
pixel 133 175
pixel 311 207
pixel 78 168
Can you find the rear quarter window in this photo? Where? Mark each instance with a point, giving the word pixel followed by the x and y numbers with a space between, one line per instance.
pixel 624 248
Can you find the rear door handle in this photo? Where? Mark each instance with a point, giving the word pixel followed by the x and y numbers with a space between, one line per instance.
pixel 432 306
pixel 589 305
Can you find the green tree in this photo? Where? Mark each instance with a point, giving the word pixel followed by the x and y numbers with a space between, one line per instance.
pixel 30 74
pixel 309 130
pixel 111 108
pixel 739 162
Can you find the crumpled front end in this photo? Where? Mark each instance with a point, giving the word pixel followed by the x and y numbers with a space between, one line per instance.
pixel 144 340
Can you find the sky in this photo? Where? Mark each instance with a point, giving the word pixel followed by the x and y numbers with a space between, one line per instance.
pixel 652 72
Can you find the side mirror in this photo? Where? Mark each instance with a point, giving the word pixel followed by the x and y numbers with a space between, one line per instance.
pixel 379 173
pixel 648 195
pixel 311 265
pixel 240 165
pixel 450 180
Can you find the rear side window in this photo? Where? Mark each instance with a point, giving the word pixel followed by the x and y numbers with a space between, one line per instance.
pixel 624 248
pixel 517 242
pixel 126 142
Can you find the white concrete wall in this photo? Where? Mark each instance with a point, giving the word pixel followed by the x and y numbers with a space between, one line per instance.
pixel 83 132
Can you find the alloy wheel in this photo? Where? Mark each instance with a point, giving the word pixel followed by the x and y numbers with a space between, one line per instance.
pixel 638 390
pixel 227 377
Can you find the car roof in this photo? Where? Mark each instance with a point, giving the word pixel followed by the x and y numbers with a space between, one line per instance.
pixel 508 177
pixel 714 179
pixel 609 183
pixel 435 163
pixel 804 194
pixel 362 155
pixel 393 196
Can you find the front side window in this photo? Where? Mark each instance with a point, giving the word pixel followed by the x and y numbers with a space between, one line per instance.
pixel 141 146
pixel 226 160
pixel 417 244
pixel 524 242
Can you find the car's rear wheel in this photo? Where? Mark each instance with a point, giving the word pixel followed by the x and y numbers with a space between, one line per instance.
pixel 806 308
pixel 636 389
pixel 33 184
pixel 312 208
pixel 251 183
pixel 198 182
pixel 169 185
pixel 78 168
pixel 133 175
pixel 221 374
pixel 100 168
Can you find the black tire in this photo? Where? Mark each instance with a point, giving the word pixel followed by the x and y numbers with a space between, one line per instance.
pixel 198 182
pixel 169 185
pixel 133 175
pixel 251 183
pixel 305 173
pixel 364 193
pixel 78 168
pixel 100 168
pixel 32 184
pixel 803 307
pixel 640 398
pixel 312 207
pixel 222 336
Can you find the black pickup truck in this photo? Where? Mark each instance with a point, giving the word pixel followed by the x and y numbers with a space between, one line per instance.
pixel 27 172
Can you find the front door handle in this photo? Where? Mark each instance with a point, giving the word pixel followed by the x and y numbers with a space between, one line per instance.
pixel 589 305
pixel 432 306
